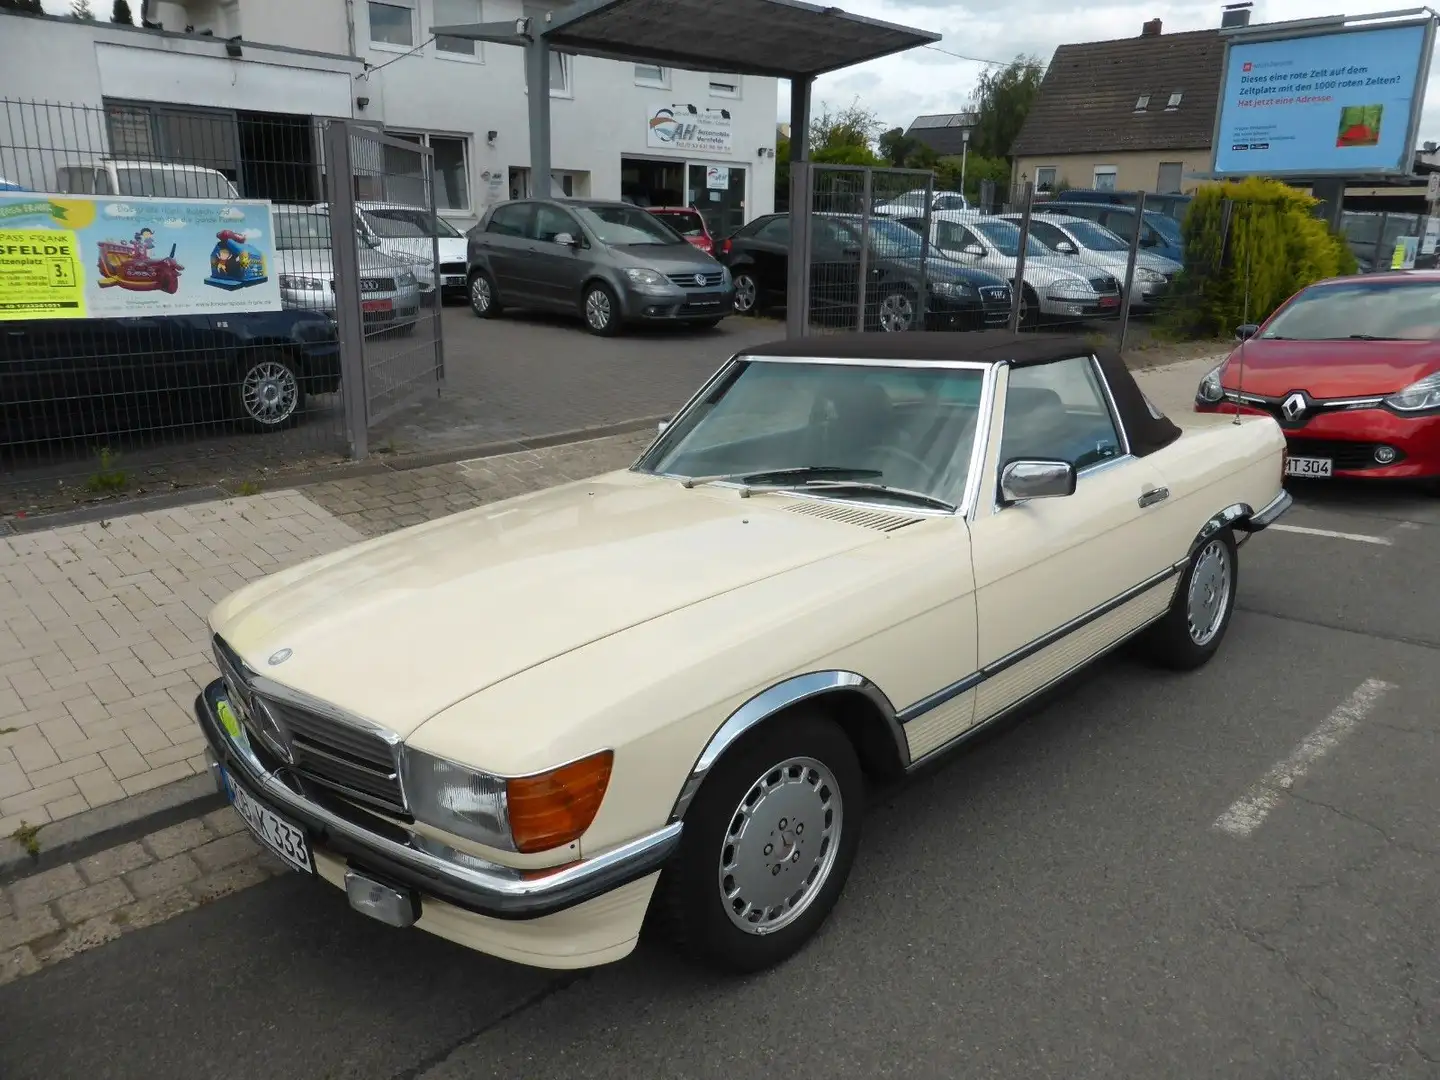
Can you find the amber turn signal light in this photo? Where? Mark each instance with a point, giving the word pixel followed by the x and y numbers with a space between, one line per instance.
pixel 554 808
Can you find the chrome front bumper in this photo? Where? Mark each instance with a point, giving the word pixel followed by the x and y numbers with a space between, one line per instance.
pixel 379 847
pixel 1268 514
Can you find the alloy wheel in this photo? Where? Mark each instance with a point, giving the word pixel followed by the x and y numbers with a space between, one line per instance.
pixel 897 313
pixel 745 293
pixel 270 393
pixel 1209 595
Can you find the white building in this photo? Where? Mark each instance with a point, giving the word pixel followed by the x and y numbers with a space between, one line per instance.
pixel 238 85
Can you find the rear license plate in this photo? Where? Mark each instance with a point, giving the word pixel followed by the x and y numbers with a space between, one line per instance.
pixel 1109 301
pixel 284 838
pixel 1309 466
pixel 376 305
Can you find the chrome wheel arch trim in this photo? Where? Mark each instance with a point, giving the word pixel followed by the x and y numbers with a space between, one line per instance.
pixel 1234 515
pixel 769 703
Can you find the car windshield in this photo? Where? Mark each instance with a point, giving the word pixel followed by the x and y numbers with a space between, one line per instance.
pixel 1399 310
pixel 400 222
pixel 174 183
pixel 886 237
pixel 685 222
pixel 910 198
pixel 1005 238
pixel 1167 227
pixel 908 428
pixel 627 225
pixel 1095 237
pixel 302 230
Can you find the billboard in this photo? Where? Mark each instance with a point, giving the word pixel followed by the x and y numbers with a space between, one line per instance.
pixel 688 127
pixel 109 256
pixel 1326 102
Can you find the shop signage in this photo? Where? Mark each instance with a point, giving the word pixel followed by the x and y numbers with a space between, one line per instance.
pixel 717 177
pixel 96 256
pixel 690 128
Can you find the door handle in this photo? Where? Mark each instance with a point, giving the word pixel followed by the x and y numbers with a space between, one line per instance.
pixel 1153 496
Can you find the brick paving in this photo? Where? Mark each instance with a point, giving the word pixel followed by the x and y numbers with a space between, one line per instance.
pixel 51 916
pixel 103 643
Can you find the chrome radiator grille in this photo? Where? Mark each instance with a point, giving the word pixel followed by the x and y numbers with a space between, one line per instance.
pixel 345 757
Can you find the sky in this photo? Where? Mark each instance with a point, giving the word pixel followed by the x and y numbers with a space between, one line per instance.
pixel 925 80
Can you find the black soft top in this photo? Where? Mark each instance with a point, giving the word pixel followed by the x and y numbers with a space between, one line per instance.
pixel 1148 429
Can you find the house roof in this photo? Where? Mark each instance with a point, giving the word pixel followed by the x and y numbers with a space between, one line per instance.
pixel 942 132
pixel 1088 99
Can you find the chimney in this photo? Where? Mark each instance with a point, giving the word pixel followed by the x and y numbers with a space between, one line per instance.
pixel 1235 15
pixel 1150 29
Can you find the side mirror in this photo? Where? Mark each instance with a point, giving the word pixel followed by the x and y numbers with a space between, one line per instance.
pixel 1065 247
pixel 1245 331
pixel 975 250
pixel 660 427
pixel 1036 479
pixel 566 239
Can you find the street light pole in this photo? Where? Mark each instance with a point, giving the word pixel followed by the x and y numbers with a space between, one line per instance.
pixel 964 157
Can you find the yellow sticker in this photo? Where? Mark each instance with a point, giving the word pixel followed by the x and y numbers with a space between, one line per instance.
pixel 228 720
pixel 40 275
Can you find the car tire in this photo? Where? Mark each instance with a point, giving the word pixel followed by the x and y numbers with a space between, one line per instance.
pixel 895 305
pixel 806 775
pixel 1191 631
pixel 1029 309
pixel 269 393
pixel 600 310
pixel 747 294
pixel 484 298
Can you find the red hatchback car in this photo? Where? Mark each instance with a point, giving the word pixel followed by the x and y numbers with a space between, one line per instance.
pixel 1350 368
pixel 688 223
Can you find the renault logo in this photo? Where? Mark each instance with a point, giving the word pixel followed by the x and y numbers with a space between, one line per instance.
pixel 1293 406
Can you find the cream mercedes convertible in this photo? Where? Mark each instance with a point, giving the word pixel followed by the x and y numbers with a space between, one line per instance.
pixel 657 697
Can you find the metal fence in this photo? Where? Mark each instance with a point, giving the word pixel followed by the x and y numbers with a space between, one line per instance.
pixel 120 405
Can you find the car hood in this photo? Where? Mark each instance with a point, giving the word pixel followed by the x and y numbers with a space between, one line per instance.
pixel 1330 369
pixel 940 268
pixel 421 249
pixel 400 628
pixel 1043 270
pixel 318 261
pixel 667 258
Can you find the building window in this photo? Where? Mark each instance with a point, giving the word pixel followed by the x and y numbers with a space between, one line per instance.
pixel 1174 102
pixel 455 13
pixel 1104 177
pixel 725 86
pixel 650 75
pixel 1168 182
pixel 1045 178
pixel 405 181
pixel 560 73
pixel 1142 103
pixel 392 24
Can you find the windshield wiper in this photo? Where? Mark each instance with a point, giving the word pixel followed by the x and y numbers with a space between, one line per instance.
pixel 1369 337
pixel 799 473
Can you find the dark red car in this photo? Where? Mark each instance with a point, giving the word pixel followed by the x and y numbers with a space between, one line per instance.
pixel 1350 368
pixel 688 223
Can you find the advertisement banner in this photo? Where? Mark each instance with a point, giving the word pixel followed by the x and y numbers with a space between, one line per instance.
pixel 98 256
pixel 689 127
pixel 1337 103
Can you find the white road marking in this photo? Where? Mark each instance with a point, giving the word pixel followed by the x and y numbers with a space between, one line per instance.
pixel 1248 812
pixel 1360 537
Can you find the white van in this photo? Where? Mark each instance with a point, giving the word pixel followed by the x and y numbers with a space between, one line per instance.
pixel 144 178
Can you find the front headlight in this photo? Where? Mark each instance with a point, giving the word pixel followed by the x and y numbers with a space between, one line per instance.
pixel 1418 396
pixel 527 814
pixel 1210 390
pixel 959 289
pixel 1071 289
pixel 645 278
pixel 300 282
pixel 405 279
pixel 1150 277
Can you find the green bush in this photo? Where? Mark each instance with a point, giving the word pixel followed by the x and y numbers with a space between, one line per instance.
pixel 1273 247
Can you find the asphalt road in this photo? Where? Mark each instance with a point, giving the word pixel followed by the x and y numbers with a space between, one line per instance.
pixel 1056 902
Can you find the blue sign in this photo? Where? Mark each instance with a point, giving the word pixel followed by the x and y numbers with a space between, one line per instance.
pixel 1338 103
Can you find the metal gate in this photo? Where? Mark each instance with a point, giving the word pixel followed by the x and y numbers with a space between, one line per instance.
pixel 387 272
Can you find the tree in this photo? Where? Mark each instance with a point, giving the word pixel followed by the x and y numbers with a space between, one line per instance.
pixel 1003 98
pixel 23 7
pixel 120 13
pixel 845 137
pixel 80 9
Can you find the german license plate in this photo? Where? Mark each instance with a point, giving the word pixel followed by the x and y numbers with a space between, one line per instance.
pixel 1309 466
pixel 1109 301
pixel 376 305
pixel 285 839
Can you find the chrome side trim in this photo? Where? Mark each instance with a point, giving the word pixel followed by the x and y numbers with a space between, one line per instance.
pixel 980 446
pixel 769 702
pixel 952 365
pixel 1231 515
pixel 1268 514
pixel 486 888
pixel 1009 710
pixel 1110 403
pixel 1024 652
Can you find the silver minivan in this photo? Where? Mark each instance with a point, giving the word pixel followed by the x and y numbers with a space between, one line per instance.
pixel 608 262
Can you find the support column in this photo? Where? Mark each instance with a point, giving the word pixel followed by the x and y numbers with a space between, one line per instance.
pixel 537 82
pixel 797 283
pixel 1331 194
